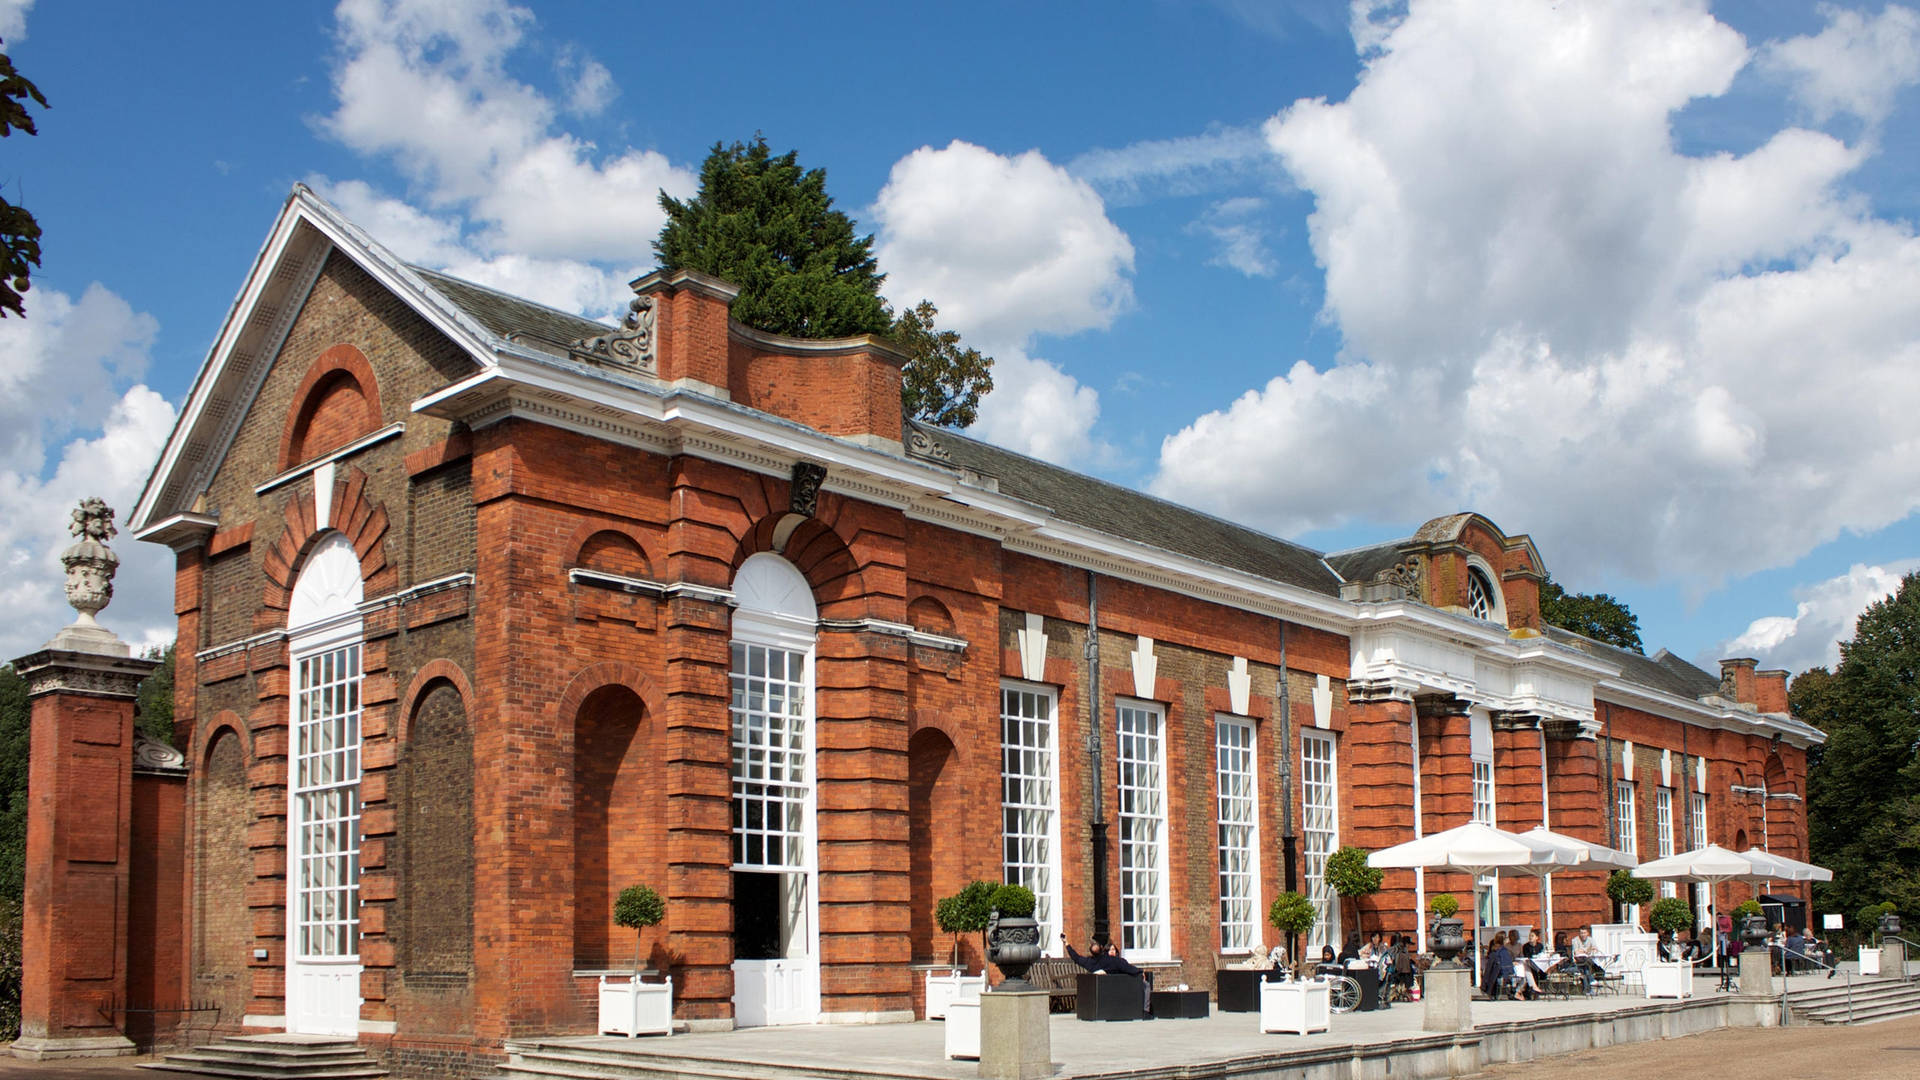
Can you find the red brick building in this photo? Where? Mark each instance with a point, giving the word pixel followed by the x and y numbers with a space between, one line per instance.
pixel 487 611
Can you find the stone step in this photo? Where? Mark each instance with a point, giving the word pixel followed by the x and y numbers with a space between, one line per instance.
pixel 575 1060
pixel 1863 1014
pixel 1860 992
pixel 274 1057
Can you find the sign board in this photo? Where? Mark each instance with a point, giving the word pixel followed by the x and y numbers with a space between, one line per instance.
pixel 1830 922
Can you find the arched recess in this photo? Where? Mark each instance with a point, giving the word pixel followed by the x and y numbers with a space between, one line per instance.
pixel 936 840
pixel 338 401
pixel 619 821
pixel 223 867
pixel 613 552
pixel 436 837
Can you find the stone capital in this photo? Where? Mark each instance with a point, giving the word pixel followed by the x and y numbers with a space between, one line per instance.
pixel 68 671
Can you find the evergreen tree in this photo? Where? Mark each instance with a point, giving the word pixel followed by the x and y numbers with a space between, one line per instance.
pixel 14 727
pixel 765 225
pixel 1595 615
pixel 1863 785
pixel 19 232
pixel 769 227
pixel 153 701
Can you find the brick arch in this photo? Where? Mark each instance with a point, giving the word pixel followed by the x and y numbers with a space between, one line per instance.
pixel 222 936
pixel 609 673
pixel 602 545
pixel 329 375
pixel 821 555
pixel 924 612
pixel 431 672
pixel 936 830
pixel 361 520
pixel 204 738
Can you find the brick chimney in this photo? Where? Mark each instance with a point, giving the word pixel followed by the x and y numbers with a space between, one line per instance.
pixel 1771 693
pixel 1739 681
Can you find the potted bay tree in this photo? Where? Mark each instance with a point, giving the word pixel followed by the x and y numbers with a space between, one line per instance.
pixel 965 912
pixel 635 1007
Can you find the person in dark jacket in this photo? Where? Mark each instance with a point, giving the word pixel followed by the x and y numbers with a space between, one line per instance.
pixel 1106 959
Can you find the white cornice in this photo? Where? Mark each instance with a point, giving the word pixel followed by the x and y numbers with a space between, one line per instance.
pixel 390 431
pixel 1701 714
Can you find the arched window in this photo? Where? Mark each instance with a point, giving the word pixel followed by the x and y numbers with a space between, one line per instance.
pixel 775 896
pixel 323 788
pixel 1483 597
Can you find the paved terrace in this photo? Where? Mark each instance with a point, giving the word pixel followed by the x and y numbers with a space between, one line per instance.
pixel 1224 1044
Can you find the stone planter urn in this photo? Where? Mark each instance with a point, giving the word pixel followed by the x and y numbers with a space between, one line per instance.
pixel 1013 946
pixel 1754 930
pixel 1889 925
pixel 1447 937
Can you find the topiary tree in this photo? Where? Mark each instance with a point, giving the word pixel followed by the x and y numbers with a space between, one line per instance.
pixel 1671 913
pixel 1293 915
pixel 1012 901
pixel 1627 890
pixel 965 912
pixel 1745 908
pixel 1443 905
pixel 1351 877
pixel 638 907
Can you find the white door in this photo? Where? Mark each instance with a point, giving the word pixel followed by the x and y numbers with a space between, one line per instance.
pixel 323 796
pixel 769 993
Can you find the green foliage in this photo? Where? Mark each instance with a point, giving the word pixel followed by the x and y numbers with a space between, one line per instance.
pixel 14 727
pixel 1746 907
pixel 944 380
pixel 153 701
pixel 1349 874
pixel 19 232
pixel 1869 917
pixel 1443 904
pixel 638 906
pixel 9 968
pixel 1292 913
pixel 1863 785
pixel 965 911
pixel 769 227
pixel 1671 913
pixel 1595 615
pixel 1624 888
pixel 1013 901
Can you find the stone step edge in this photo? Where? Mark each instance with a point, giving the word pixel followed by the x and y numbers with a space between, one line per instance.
pixel 372 1073
pixel 614 1063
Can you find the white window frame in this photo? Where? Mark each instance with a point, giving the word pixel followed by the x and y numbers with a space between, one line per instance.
pixel 1237 832
pixel 324 787
pixel 1494 606
pixel 1140 742
pixel 1697 827
pixel 1626 821
pixel 1483 805
pixel 1320 838
pixel 772 751
pixel 1039 871
pixel 1663 827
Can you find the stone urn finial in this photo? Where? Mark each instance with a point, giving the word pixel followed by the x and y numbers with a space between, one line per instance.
pixel 90 567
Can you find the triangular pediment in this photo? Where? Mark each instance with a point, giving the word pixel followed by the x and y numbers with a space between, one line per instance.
pixel 307 232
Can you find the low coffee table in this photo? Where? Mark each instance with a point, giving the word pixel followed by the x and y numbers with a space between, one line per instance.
pixel 1179 1004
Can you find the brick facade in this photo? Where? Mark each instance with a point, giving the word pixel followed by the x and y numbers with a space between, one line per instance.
pixel 547 627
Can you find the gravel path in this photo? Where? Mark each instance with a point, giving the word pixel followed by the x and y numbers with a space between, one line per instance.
pixel 1884 1051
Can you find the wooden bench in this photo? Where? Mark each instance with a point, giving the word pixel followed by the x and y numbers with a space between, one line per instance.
pixel 1058 976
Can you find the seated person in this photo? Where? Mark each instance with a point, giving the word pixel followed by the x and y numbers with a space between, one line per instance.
pixel 1500 977
pixel 1351 950
pixel 1796 949
pixel 1327 959
pixel 1105 959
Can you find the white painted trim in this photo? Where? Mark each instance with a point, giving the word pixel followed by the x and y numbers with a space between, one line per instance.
pixel 1239 687
pixel 1033 648
pixel 1145 667
pixel 1322 702
pixel 392 430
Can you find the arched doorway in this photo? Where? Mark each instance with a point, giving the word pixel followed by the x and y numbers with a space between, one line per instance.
pixel 323 794
pixel 936 836
pixel 776 902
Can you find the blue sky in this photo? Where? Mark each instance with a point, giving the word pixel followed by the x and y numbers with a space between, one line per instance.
pixel 1635 278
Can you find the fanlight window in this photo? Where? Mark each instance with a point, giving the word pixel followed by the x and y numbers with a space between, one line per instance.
pixel 1479 596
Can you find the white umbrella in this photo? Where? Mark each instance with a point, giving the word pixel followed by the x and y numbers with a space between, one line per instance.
pixel 1781 868
pixel 1714 864
pixel 1587 856
pixel 1479 850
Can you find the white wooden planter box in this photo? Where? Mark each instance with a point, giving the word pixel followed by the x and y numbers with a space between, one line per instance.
pixel 1669 980
pixel 1300 1007
pixel 632 1007
pixel 963 1028
pixel 943 990
pixel 1869 961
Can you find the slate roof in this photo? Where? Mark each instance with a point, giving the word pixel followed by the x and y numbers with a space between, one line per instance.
pixel 1132 515
pixel 1662 671
pixel 510 316
pixel 1360 564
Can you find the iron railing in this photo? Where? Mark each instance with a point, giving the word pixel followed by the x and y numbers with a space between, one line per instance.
pixel 1786 986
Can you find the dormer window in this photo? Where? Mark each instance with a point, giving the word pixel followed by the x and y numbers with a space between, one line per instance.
pixel 1480 603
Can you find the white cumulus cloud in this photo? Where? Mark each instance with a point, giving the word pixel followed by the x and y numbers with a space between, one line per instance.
pixel 13 20
pixel 1658 364
pixel 1008 248
pixel 508 195
pixel 1855 65
pixel 1825 615
pixel 69 393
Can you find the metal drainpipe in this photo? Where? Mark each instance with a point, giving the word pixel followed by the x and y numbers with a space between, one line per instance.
pixel 1289 843
pixel 1098 823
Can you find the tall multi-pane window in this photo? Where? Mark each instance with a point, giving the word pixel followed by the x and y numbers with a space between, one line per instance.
pixel 1483 792
pixel 1623 818
pixel 326 792
pixel 1479 596
pixel 1663 824
pixel 1697 839
pixel 1625 824
pixel 770 781
pixel 1238 815
pixel 1029 801
pixel 1143 830
pixel 1320 828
